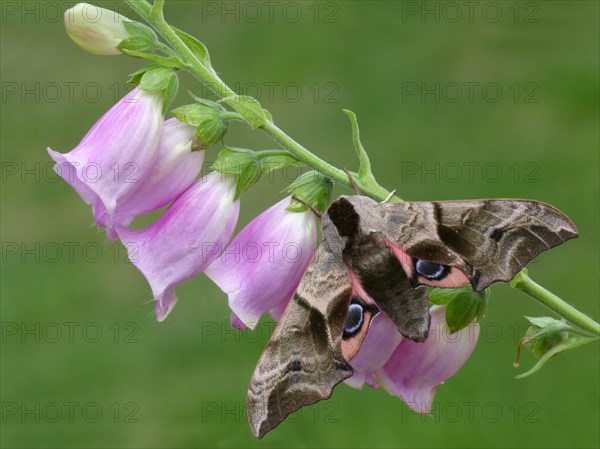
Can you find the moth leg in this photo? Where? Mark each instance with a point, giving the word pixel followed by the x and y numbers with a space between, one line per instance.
pixel 312 208
pixel 389 197
pixel 352 181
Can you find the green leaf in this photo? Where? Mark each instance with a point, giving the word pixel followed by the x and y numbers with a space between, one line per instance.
pixel 463 305
pixel 364 168
pixel 565 344
pixel 441 296
pixel 461 311
pixel 268 115
pixel 545 322
pixel 249 109
pixel 195 46
pixel 547 337
pixel 137 29
pixel 205 101
pixel 248 165
pixel 483 303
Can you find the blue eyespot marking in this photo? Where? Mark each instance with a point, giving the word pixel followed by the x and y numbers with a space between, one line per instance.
pixel 431 271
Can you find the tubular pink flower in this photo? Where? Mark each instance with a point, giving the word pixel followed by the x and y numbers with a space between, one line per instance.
pixel 379 344
pixel 174 169
pixel 263 265
pixel 186 239
pixel 115 156
pixel 414 370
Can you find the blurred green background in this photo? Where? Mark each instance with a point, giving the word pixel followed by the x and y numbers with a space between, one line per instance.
pixel 120 379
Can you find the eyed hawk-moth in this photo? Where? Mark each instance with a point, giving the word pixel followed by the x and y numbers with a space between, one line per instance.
pixel 377 256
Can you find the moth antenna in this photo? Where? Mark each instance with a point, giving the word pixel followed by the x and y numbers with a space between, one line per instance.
pixel 351 179
pixel 389 197
pixel 313 209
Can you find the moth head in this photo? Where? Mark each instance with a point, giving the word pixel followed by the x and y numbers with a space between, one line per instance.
pixel 349 218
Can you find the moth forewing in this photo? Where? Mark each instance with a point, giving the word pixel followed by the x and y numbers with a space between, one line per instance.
pixel 303 360
pixel 488 240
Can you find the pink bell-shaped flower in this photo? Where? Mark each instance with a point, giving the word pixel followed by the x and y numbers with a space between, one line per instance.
pixel 414 370
pixel 379 344
pixel 186 239
pixel 261 268
pixel 115 156
pixel 174 169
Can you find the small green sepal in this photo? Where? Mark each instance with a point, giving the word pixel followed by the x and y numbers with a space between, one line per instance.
pixel 248 166
pixel 161 79
pixel 464 305
pixel 136 77
pixel 207 117
pixel 195 46
pixel 243 164
pixel 312 188
pixel 141 38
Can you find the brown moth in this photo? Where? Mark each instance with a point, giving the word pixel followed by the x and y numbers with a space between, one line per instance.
pixel 377 256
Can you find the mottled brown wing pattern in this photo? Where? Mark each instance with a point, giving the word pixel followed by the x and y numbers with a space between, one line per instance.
pixel 303 360
pixel 381 275
pixel 489 240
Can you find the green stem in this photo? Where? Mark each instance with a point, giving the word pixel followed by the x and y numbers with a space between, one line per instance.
pixel 524 283
pixel 153 14
pixel 210 79
pixel 372 190
pixel 157 8
pixel 262 154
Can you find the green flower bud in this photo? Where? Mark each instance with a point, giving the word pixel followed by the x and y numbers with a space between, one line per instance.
pixel 96 30
pixel 210 131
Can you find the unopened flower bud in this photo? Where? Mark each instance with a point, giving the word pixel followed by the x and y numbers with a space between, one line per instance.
pixel 96 30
